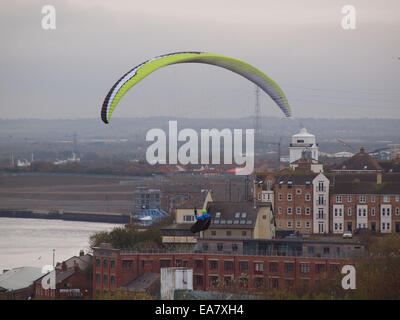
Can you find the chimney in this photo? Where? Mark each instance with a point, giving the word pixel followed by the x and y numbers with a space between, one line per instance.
pixel 379 177
pixel 362 149
pixel 63 266
pixel 81 253
pixel 76 268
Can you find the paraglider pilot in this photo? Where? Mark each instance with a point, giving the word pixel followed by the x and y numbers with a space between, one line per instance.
pixel 203 221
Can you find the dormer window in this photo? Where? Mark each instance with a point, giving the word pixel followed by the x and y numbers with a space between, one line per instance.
pixel 244 214
pixel 218 215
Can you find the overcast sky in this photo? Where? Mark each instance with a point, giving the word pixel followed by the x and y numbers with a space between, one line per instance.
pixel 324 70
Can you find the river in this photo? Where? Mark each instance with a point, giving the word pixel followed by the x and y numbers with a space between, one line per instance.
pixel 30 242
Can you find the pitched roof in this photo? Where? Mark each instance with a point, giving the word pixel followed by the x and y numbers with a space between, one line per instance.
pixel 297 178
pixel 19 278
pixel 142 283
pixel 360 161
pixel 197 201
pixel 358 187
pixel 236 215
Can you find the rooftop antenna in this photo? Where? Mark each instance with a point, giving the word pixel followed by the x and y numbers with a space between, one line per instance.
pixel 257 118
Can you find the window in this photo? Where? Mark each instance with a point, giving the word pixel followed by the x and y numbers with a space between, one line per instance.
pixel 165 263
pixel 234 247
pixel 308 211
pixel 198 280
pixel 362 199
pixel 289 210
pixel 289 283
pixel 97 277
pixel 339 199
pixel 397 198
pixel 289 267
pixel 321 200
pixel 298 224
pixel 320 213
pixel 228 233
pixel 213 233
pixel 112 264
pixel 349 211
pixel 319 268
pixel 243 266
pixel 105 264
pixel 188 218
pixel 304 267
pixel 217 215
pixel 372 198
pixel 127 264
pixel 220 246
pixel 213 264
pixel 308 197
pixel 258 267
pixel 279 210
pixel 237 215
pixel 213 281
pixel 321 186
pixel 259 283
pixel 112 279
pixel 289 224
pixel 298 210
pixel 298 191
pixel 264 216
pixel 273 283
pixel 348 198
pixel 273 267
pixel 397 211
pixel 244 214
pixel 280 197
pixel 98 263
pixel 308 224
pixel 289 197
pixel 105 279
pixel 244 233
pixel 372 211
pixel 198 264
pixel 205 246
pixel 334 268
pixel 228 265
pixel 386 198
pixel 228 281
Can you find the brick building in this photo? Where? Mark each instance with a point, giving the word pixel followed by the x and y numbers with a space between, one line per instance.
pixel 212 272
pixel 73 280
pixel 357 194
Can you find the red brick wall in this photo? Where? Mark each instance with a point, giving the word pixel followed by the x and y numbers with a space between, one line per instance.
pixel 207 271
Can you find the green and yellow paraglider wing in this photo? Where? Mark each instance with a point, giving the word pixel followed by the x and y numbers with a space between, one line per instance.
pixel 134 76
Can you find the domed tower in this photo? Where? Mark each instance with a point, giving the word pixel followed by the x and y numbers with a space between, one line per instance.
pixel 303 143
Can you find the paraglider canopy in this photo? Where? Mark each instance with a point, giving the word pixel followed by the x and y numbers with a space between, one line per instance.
pixel 134 76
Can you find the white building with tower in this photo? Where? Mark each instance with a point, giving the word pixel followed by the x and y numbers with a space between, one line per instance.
pixel 303 143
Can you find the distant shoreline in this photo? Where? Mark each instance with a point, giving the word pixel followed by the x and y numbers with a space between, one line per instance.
pixel 67 216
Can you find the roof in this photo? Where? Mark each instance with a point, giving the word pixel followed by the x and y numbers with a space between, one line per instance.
pixel 19 278
pixel 303 133
pixel 236 215
pixel 357 187
pixel 142 283
pixel 360 161
pixel 197 201
pixel 297 178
